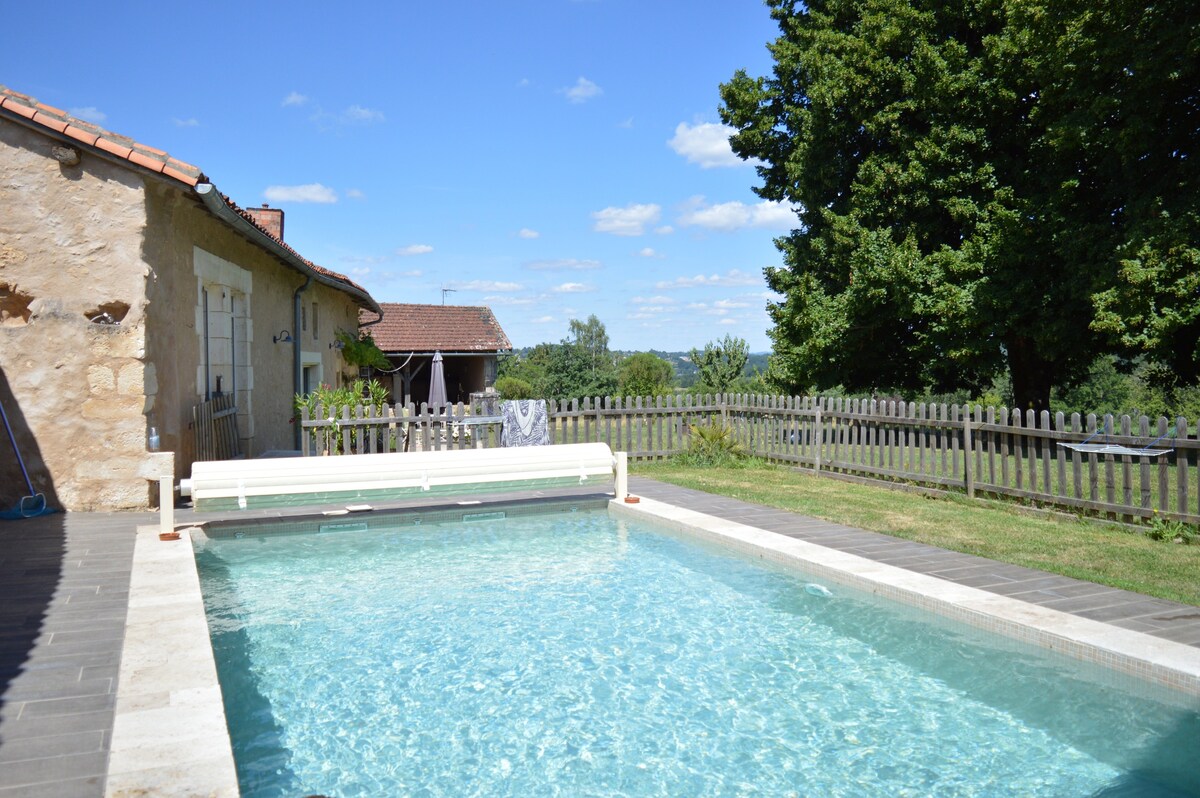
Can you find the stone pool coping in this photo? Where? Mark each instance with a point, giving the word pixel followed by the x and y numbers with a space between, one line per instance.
pixel 1153 659
pixel 169 733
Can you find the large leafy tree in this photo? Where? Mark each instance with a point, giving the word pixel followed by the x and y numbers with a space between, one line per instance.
pixel 947 196
pixel 591 338
pixel 1126 77
pixel 722 363
pixel 580 365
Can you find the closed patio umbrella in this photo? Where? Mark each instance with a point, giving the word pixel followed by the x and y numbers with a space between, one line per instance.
pixel 437 383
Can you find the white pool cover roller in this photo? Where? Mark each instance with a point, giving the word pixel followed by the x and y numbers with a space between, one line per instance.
pixel 241 484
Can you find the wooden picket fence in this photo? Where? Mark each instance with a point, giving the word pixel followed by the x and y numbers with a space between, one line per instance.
pixel 978 451
pixel 216 429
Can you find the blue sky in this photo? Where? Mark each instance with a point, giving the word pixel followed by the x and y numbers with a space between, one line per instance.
pixel 549 158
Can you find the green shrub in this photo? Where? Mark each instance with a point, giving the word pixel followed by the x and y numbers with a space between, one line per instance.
pixel 330 401
pixel 1170 530
pixel 514 388
pixel 710 445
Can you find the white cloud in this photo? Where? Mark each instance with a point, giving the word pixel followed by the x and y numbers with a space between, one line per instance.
pixel 727 321
pixel 582 91
pixel 191 122
pixel 543 320
pixel 511 300
pixel 356 114
pixel 572 288
pixel 732 277
pixel 327 120
pixel 355 193
pixel 88 113
pixel 730 304
pixel 563 264
pixel 627 124
pixel 648 252
pixel 665 230
pixel 628 221
pixel 525 232
pixel 369 259
pixel 414 249
pixel 652 300
pixel 309 192
pixel 486 285
pixel 731 216
pixel 705 144
pixel 523 83
pixel 412 273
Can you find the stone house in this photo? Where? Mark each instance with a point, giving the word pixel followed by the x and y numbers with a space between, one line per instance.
pixel 469 338
pixel 131 290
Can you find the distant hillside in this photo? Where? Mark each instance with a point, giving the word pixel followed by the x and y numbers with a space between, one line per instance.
pixel 685 370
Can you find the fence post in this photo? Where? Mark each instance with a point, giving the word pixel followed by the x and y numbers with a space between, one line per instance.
pixel 818 440
pixel 969 476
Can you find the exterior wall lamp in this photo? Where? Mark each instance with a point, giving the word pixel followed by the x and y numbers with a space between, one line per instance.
pixel 338 345
pixel 284 337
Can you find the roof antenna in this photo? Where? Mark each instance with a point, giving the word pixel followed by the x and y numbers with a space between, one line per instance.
pixel 447 291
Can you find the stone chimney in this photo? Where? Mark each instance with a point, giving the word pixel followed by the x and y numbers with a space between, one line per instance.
pixel 270 219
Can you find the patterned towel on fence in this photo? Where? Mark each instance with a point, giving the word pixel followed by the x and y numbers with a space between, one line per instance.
pixel 525 423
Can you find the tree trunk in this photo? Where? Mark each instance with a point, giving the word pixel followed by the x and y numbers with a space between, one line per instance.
pixel 1032 376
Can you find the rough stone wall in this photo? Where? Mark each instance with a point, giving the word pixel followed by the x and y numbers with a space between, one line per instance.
pixel 74 389
pixel 176 226
pixel 99 241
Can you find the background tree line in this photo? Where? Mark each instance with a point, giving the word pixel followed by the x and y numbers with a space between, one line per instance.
pixel 583 365
pixel 989 192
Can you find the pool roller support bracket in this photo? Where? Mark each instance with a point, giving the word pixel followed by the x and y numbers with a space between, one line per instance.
pixel 160 467
pixel 621 467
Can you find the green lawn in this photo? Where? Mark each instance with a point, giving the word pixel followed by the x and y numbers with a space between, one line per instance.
pixel 1088 550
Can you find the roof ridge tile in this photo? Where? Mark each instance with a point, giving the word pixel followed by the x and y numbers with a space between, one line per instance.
pixel 86 136
pixel 50 121
pixel 135 152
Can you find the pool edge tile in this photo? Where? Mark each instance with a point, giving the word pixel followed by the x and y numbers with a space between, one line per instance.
pixel 169 707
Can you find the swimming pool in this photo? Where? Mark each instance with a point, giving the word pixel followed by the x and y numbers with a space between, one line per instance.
pixel 578 654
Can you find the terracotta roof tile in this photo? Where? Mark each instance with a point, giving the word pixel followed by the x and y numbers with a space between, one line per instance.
pixel 142 159
pixel 50 109
pixel 78 133
pixel 142 155
pixel 430 328
pixel 327 272
pixel 23 109
pixel 25 98
pixel 170 171
pixel 60 121
pixel 54 123
pixel 111 146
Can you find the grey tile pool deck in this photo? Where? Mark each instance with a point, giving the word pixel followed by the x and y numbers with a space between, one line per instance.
pixel 64 585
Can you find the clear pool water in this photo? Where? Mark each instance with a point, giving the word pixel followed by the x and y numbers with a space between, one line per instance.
pixel 578 655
